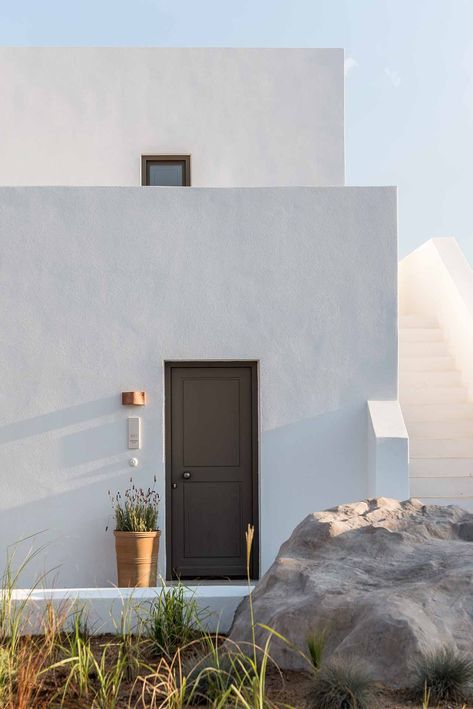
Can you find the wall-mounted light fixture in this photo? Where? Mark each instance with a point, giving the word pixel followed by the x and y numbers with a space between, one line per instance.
pixel 134 398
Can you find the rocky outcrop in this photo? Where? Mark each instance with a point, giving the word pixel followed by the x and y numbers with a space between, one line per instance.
pixel 386 581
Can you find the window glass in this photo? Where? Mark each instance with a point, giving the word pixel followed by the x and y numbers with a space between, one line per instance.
pixel 166 174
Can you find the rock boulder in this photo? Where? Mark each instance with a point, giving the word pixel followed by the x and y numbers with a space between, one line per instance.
pixel 386 580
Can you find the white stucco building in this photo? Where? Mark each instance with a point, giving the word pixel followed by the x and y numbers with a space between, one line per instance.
pixel 256 304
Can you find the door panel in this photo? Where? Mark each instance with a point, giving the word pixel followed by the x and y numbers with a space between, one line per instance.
pixel 210 507
pixel 211 455
pixel 211 420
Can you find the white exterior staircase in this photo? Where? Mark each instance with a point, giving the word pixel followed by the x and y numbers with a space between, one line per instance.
pixel 437 413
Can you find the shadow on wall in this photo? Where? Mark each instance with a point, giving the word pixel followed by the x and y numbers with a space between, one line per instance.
pixel 325 460
pixel 63 464
pixel 306 466
pixel 59 419
pixel 70 531
pixel 90 444
pixel 71 443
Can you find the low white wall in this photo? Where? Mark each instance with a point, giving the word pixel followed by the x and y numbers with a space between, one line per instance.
pixel 114 610
pixel 436 280
pixel 388 451
pixel 248 117
pixel 99 286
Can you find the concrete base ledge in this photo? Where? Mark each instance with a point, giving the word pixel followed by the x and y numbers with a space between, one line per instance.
pixel 113 610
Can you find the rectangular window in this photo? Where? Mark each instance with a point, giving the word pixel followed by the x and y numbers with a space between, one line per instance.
pixel 166 170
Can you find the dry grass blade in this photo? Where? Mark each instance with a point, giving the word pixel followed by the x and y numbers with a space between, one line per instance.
pixel 249 536
pixel 31 659
pixel 165 688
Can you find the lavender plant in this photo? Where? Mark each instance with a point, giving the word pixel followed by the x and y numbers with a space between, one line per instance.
pixel 136 510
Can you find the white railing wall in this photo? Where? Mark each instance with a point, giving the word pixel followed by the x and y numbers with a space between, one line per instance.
pixel 388 451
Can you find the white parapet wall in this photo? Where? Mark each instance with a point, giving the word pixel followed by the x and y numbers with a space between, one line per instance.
pixel 436 281
pixel 388 451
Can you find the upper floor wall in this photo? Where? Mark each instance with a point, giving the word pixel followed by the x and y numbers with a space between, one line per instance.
pixel 247 117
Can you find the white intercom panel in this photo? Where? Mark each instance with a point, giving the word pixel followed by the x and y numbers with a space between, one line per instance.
pixel 134 432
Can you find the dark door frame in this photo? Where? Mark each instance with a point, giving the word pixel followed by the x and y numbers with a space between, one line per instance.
pixel 253 365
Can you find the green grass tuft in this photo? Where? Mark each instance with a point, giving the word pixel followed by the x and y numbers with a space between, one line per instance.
pixel 316 645
pixel 209 676
pixel 343 684
pixel 445 674
pixel 174 620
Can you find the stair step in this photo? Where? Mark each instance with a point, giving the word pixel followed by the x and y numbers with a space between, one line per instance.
pixel 437 412
pixel 416 334
pixel 438 415
pixel 423 349
pixel 426 364
pixel 436 487
pixel 433 395
pixel 429 448
pixel 414 379
pixel 417 321
pixel 454 428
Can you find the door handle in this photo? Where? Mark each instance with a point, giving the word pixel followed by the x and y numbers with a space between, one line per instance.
pixel 186 475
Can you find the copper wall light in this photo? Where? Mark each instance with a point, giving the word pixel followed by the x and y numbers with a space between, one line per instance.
pixel 134 398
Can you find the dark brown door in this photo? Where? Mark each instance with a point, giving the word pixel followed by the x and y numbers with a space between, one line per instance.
pixel 211 468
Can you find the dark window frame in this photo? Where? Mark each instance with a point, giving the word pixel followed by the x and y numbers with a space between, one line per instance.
pixel 146 160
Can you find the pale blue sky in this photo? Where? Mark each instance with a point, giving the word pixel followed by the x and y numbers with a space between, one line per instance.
pixel 409 91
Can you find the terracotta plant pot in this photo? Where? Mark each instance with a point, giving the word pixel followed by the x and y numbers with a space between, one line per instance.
pixel 137 558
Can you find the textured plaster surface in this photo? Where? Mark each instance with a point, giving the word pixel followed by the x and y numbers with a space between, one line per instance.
pixel 248 117
pixel 99 286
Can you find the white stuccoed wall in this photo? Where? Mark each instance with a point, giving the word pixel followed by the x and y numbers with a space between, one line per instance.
pixel 248 117
pixel 99 286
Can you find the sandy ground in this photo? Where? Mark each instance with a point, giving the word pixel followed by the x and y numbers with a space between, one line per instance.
pixel 285 689
pixel 294 690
